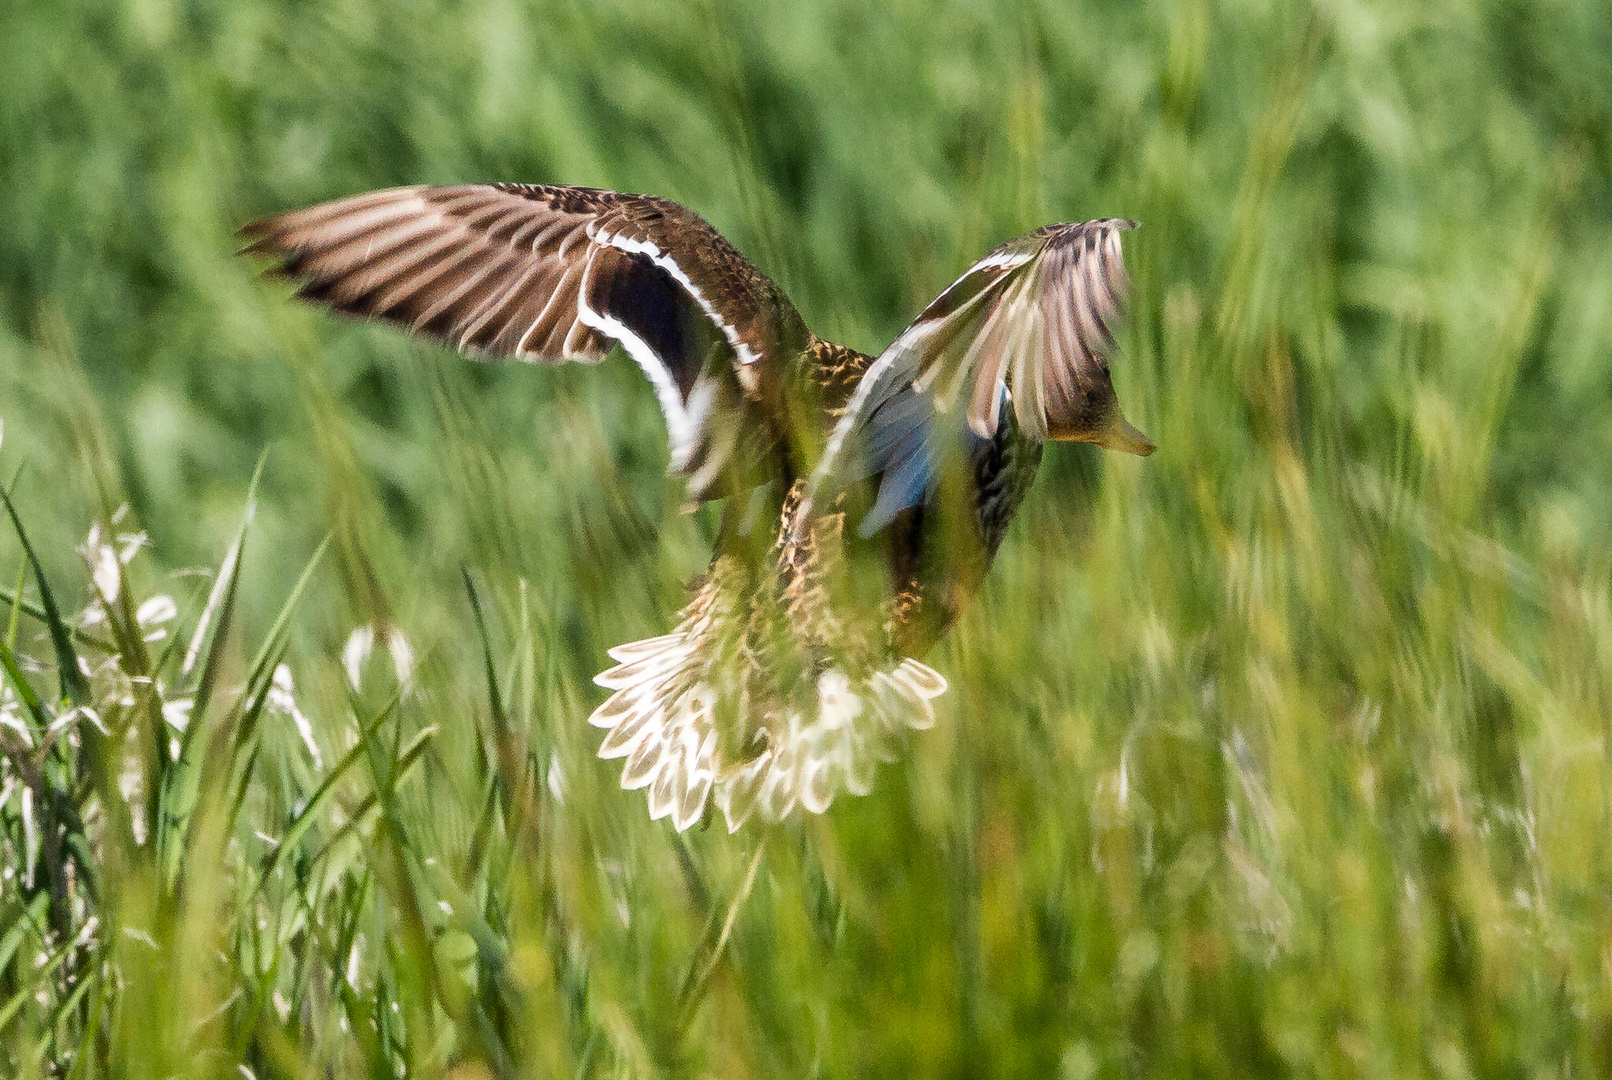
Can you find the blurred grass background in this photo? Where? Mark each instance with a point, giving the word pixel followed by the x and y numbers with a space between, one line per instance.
pixel 1282 752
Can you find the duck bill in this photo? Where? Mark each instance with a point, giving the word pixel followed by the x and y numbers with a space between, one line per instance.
pixel 1120 435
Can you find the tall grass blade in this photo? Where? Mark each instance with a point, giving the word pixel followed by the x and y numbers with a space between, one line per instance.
pixel 74 690
pixel 495 699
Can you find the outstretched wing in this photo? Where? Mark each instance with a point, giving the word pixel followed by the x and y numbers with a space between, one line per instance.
pixel 1029 323
pixel 550 274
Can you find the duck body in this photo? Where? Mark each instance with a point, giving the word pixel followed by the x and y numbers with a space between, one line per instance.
pixel 865 497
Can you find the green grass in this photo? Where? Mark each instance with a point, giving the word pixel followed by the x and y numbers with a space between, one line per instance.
pixel 1281 752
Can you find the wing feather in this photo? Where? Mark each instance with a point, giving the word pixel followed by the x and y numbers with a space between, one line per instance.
pixel 1032 319
pixel 552 274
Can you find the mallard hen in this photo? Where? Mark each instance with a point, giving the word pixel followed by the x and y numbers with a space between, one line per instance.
pixel 866 496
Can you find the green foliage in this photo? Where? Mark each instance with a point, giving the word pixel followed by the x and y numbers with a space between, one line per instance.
pixel 1282 751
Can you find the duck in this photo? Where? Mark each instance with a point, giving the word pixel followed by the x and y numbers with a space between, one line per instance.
pixel 863 497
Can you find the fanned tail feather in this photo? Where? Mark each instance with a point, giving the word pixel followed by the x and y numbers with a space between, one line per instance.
pixel 661 719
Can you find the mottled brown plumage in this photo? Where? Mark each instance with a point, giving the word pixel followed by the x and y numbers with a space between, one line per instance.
pixel 867 496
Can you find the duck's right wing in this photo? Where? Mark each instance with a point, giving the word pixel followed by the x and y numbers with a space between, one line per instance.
pixel 1026 328
pixel 553 273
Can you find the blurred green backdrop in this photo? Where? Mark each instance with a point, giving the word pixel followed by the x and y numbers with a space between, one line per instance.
pixel 1282 751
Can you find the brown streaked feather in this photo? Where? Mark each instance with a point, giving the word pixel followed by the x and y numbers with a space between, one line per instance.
pixel 552 273
pixel 1039 322
pixel 1032 317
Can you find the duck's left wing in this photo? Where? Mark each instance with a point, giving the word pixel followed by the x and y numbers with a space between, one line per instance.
pixel 553 273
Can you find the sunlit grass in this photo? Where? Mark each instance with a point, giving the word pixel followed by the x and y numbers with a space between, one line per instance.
pixel 1281 751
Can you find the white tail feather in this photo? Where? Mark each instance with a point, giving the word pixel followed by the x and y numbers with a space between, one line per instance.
pixel 661 718
pixel 637 650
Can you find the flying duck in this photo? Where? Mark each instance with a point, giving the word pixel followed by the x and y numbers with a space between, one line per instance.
pixel 865 496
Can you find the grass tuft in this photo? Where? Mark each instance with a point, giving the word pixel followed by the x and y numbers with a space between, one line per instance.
pixel 1283 751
